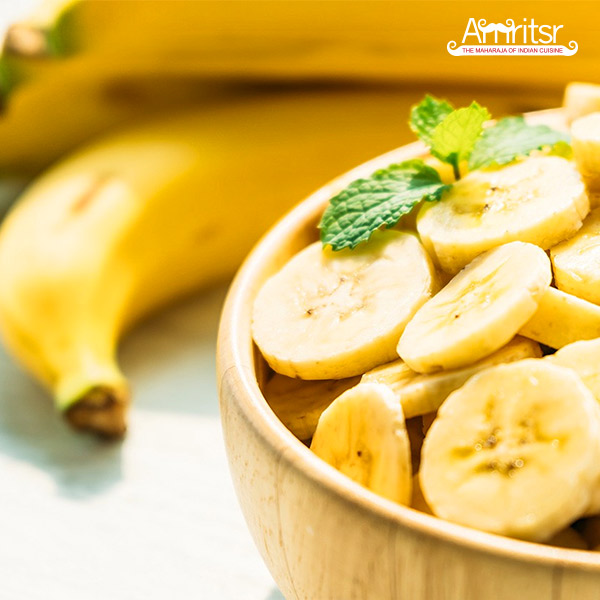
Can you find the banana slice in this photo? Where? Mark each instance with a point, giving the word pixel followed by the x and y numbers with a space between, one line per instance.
pixel 581 99
pixel 420 393
pixel 479 311
pixel 541 200
pixel 299 403
pixel 363 435
pixel 515 451
pixel 584 358
pixel 331 315
pixel 562 319
pixel 585 140
pixel 576 261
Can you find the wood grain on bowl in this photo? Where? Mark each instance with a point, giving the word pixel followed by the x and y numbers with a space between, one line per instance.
pixel 326 538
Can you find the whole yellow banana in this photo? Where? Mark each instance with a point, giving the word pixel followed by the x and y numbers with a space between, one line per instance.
pixel 147 215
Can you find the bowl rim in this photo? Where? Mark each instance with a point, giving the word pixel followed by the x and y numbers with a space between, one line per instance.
pixel 235 360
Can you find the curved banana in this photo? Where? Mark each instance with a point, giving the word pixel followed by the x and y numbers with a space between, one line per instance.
pixel 266 41
pixel 144 216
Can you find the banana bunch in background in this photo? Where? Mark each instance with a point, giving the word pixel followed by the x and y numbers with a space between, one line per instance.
pixel 76 68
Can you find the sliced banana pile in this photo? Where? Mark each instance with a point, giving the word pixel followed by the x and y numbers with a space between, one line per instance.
pixel 423 393
pixel 441 399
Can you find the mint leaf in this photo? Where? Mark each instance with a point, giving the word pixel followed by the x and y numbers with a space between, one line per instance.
pixel 427 115
pixel 510 138
pixel 381 199
pixel 454 138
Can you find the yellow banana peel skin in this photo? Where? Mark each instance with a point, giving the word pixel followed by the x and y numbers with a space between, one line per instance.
pixel 145 216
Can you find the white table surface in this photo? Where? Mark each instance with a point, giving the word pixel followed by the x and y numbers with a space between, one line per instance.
pixel 154 517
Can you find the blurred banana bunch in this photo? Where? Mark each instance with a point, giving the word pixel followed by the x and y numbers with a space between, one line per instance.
pixel 75 68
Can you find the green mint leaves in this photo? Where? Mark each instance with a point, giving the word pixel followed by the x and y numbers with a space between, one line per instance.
pixel 453 139
pixel 427 115
pixel 454 136
pixel 510 138
pixel 381 199
pixel 450 134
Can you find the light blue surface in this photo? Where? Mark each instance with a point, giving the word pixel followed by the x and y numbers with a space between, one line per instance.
pixel 152 518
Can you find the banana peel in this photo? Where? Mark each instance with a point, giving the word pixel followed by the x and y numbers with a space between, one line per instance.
pixel 344 40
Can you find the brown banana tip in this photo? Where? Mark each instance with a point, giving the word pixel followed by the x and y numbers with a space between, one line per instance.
pixel 102 410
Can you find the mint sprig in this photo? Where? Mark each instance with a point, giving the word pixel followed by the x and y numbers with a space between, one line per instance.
pixel 381 199
pixel 427 115
pixel 453 139
pixel 454 136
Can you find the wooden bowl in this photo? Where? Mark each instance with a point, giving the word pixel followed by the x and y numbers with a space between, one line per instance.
pixel 325 537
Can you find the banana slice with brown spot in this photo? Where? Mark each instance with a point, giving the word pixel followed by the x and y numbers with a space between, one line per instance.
pixel 515 451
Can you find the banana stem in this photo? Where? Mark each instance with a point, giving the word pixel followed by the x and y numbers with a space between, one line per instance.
pixel 101 410
pixel 94 396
